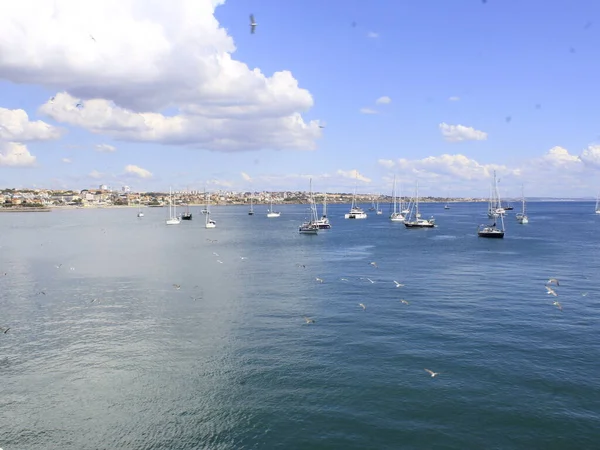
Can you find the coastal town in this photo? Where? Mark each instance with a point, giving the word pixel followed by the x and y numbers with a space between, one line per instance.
pixel 104 196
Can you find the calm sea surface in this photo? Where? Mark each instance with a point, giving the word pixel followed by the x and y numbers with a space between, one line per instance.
pixel 228 362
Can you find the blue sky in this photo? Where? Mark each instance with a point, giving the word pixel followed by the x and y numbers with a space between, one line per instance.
pixel 533 62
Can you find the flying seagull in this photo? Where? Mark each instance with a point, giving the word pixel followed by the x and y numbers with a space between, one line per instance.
pixel 4 330
pixel 320 280
pixel 553 280
pixel 362 305
pixel 177 286
pixel 92 37
pixel 374 264
pixel 252 24
pixel 551 291
pixel 309 320
pixel 558 305
pixel 404 302
pixel 398 284
pixel 432 373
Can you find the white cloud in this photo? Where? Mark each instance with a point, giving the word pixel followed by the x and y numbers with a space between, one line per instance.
pixel 14 154
pixel 372 34
pixel 149 58
pixel 105 148
pixel 387 163
pixel 454 98
pixel 591 156
pixel 16 126
pixel 368 111
pixel 66 160
pixel 353 174
pixel 95 174
pixel 383 100
pixel 246 177
pixel 457 133
pixel 559 156
pixel 137 171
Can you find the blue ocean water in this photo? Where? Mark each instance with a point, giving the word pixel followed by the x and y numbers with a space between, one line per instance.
pixel 104 352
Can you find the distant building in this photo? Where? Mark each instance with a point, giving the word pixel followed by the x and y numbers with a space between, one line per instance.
pixel 126 189
pixel 103 187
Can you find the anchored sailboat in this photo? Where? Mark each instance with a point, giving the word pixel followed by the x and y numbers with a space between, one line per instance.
pixel 522 217
pixel 173 219
pixel 323 222
pixel 356 212
pixel 209 223
pixel 492 230
pixel 310 226
pixel 396 216
pixel 414 219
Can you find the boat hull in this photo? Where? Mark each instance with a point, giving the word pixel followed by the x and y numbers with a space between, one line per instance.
pixel 186 216
pixel 173 222
pixel 273 214
pixel 355 216
pixel 419 225
pixel 491 234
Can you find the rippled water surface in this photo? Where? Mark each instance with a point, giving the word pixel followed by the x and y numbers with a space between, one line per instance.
pixel 104 352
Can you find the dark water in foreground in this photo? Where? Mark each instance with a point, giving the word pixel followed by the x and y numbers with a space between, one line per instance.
pixel 227 361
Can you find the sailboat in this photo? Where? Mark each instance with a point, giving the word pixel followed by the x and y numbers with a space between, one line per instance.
pixel 173 219
pixel 323 222
pixel 492 230
pixel 187 215
pixel 377 210
pixel 414 219
pixel 522 217
pixel 209 223
pixel 140 213
pixel 251 211
pixel 396 216
pixel 447 206
pixel 372 208
pixel 271 212
pixel 205 209
pixel 310 226
pixel 356 212
pixel 598 204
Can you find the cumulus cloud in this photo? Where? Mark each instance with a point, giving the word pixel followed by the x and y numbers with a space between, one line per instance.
pixel 13 154
pixel 591 156
pixel 137 171
pixel 383 100
pixel 354 174
pixel 246 177
pixel 66 160
pixel 559 156
pixel 149 59
pixel 368 111
pixel 454 98
pixel 387 163
pixel 105 148
pixel 16 126
pixel 457 133
pixel 454 166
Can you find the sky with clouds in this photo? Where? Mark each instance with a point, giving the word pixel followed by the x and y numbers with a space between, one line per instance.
pixel 180 93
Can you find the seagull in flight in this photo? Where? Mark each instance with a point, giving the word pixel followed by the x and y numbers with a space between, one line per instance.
pixel 553 280
pixel 558 305
pixel 432 373
pixel 309 320
pixel 219 261
pixel 398 284
pixel 320 280
pixel 4 330
pixel 551 291
pixel 404 301
pixel 370 280
pixel 252 24
pixel 362 305
pixel 215 253
pixel 177 286
pixel 343 279
pixel 92 38
pixel 374 264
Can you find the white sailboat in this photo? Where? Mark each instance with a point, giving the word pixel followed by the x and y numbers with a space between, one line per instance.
pixel 310 226
pixel 209 223
pixel 404 206
pixel 396 215
pixel 356 212
pixel 377 210
pixel 173 219
pixel 323 222
pixel 492 230
pixel 140 213
pixel 205 209
pixel 414 219
pixel 522 217
pixel 271 212
pixel 598 204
